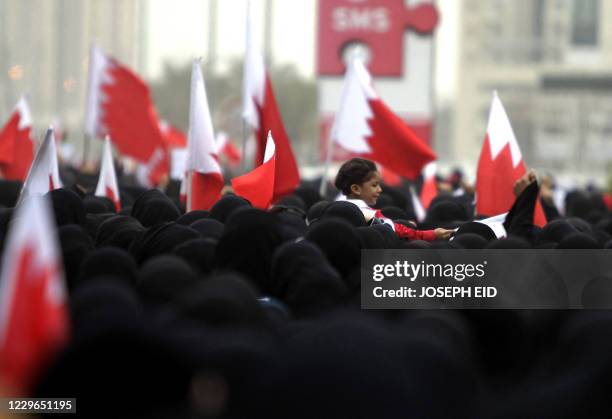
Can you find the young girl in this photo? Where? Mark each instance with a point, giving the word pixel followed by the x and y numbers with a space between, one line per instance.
pixel 359 180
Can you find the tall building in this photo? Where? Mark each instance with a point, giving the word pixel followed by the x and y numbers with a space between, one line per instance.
pixel 44 47
pixel 551 62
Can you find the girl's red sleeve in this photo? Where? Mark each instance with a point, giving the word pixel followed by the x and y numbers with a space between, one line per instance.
pixel 410 233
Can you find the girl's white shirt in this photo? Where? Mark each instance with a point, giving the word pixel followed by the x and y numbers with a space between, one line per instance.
pixel 368 212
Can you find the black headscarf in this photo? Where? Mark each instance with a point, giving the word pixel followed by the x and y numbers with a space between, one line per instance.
pixel 316 211
pixel 119 231
pixel 555 231
pixel 199 253
pixel 76 245
pixel 111 262
pixel 340 243
pixel 511 242
pixel 304 279
pixel 209 228
pixel 445 213
pixel 578 241
pixel 221 301
pixel 293 224
pixel 153 207
pixel 474 227
pixel 346 211
pixel 160 240
pixel 68 207
pixel 161 279
pixel 309 195
pixel 93 222
pixel 98 205
pixel 470 241
pixel 291 201
pixel 247 244
pixel 226 206
pixel 395 213
pixel 9 192
pixel 192 216
pixel 371 238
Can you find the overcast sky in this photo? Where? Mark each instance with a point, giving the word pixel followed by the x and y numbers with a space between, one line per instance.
pixel 178 32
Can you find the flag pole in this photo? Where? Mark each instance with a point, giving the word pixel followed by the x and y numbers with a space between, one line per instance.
pixel 328 158
pixel 86 149
pixel 243 163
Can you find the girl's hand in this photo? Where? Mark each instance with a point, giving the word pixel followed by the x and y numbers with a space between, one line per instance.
pixel 443 234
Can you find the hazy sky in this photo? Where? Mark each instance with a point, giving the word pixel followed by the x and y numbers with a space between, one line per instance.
pixel 179 32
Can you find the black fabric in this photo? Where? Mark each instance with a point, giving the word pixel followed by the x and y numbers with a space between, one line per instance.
pixel 225 206
pixel 340 243
pixel 394 213
pixel 379 374
pixel 519 221
pixel 94 221
pixel 578 241
pixel 160 240
pixel 221 301
pixel 153 207
pixel 119 231
pixel 511 242
pixel 309 195
pixel 555 231
pixel 371 238
pixel 346 211
pixel 208 228
pixel 68 207
pixel 291 201
pixel 384 200
pixel 304 279
pixel 470 241
pixel 199 253
pixel 192 216
pixel 109 262
pixel 445 213
pixel 316 211
pixel 477 228
pixel 76 245
pixel 247 244
pixel 98 205
pixel 9 192
pixel 163 278
pixel 293 225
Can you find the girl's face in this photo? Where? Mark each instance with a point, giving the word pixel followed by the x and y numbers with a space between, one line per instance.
pixel 368 191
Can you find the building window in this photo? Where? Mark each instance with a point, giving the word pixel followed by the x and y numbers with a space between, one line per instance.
pixel 585 23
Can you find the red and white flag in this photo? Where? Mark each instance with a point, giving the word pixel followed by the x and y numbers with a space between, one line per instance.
pixel 225 147
pixel 500 166
pixel 364 125
pixel 204 180
pixel 260 111
pixel 44 173
pixel 173 137
pixel 16 144
pixel 257 186
pixel 429 190
pixel 119 104
pixel 34 320
pixel 107 182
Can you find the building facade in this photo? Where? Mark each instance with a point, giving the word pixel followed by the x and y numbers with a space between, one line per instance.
pixel 44 47
pixel 551 62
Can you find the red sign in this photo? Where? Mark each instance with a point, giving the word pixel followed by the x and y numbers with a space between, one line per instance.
pixel 379 24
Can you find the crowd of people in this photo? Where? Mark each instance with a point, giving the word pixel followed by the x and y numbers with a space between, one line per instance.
pixel 239 312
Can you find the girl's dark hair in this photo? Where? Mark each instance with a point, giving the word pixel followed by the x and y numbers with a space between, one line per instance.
pixel 354 172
